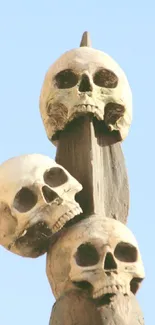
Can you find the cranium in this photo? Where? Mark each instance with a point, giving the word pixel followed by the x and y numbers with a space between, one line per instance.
pixel 98 254
pixel 81 81
pixel 36 200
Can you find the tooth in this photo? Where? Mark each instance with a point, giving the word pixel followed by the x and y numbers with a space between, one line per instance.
pixel 83 107
pixel 104 290
pixel 70 213
pixel 78 211
pixel 62 222
pixel 62 218
pixel 57 225
pixel 97 116
pixel 114 289
pixel 95 295
pixel 107 289
pixel 75 211
pixel 24 233
pixel 110 127
pixel 67 216
pixel 123 289
pixel 89 107
pixel 54 229
pixel 119 288
pixel 98 294
pixel 127 289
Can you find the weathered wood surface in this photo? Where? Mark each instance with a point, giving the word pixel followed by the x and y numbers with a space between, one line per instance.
pixel 94 157
pixel 75 307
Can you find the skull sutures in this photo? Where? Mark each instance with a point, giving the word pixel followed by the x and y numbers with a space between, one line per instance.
pixel 98 254
pixel 82 81
pixel 36 200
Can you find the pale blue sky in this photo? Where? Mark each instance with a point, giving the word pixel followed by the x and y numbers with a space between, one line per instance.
pixel 33 34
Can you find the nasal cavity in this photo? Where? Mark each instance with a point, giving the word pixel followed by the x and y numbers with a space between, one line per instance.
pixel 110 263
pixel 85 84
pixel 48 194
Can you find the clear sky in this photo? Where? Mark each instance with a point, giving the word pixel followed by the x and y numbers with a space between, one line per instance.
pixel 33 34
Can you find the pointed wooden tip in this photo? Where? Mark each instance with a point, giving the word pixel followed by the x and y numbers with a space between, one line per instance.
pixel 85 41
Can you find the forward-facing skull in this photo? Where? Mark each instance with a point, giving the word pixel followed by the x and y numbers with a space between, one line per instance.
pixel 82 81
pixel 98 254
pixel 36 200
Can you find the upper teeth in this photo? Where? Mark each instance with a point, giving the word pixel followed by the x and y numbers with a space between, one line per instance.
pixel 111 289
pixel 86 109
pixel 66 217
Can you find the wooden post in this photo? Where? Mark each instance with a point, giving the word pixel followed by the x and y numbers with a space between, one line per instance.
pixel 93 155
pixel 75 307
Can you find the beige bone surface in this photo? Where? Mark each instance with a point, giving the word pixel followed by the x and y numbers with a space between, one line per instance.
pixel 99 254
pixel 105 100
pixel 34 190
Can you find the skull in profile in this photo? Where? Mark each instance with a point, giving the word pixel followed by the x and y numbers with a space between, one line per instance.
pixel 37 198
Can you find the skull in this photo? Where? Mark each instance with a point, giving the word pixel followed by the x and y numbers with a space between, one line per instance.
pixel 85 80
pixel 36 200
pixel 98 254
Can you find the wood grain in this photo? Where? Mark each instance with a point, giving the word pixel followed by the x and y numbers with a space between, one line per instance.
pixel 94 157
pixel 76 308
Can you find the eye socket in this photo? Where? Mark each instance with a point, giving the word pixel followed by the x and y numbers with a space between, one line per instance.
pixel 86 255
pixel 66 79
pixel 126 252
pixel 55 177
pixel 134 284
pixel 25 200
pixel 113 111
pixel 105 78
